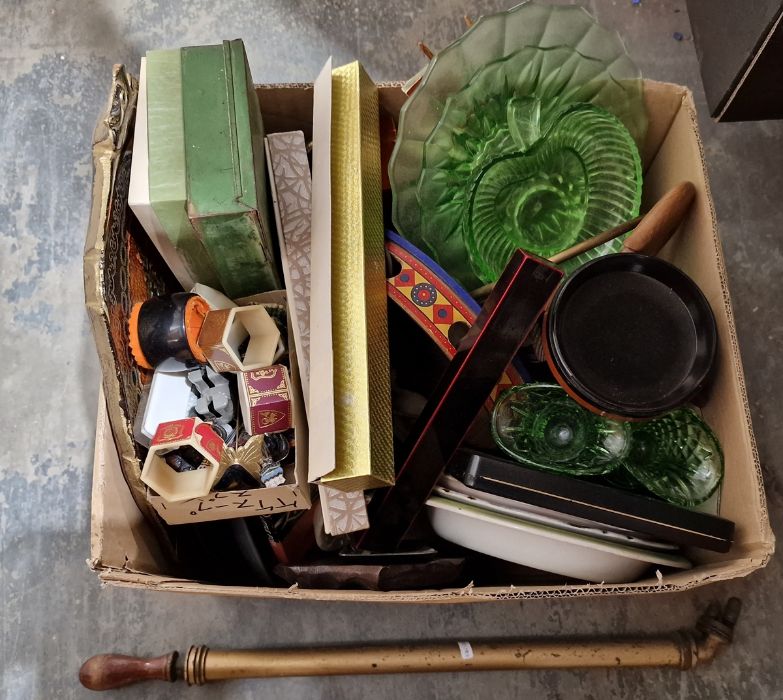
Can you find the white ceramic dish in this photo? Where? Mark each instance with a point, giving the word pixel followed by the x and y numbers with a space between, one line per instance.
pixel 542 547
pixel 170 398
pixel 506 506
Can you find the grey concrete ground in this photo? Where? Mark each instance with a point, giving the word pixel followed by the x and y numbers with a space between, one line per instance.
pixel 55 61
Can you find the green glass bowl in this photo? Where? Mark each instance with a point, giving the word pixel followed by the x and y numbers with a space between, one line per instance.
pixel 576 60
pixel 542 427
pixel 581 178
pixel 677 457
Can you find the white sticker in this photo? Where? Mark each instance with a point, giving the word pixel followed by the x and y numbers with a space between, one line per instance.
pixel 465 650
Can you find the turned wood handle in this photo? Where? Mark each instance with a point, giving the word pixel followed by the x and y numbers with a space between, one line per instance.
pixel 108 671
pixel 659 224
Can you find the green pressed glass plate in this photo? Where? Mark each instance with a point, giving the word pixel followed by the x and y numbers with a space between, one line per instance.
pixel 470 103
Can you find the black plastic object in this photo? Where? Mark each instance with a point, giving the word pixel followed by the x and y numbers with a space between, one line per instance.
pixel 162 332
pixel 630 335
pixel 184 459
pixel 585 499
pixel 225 552
pixel 510 312
pixel 254 550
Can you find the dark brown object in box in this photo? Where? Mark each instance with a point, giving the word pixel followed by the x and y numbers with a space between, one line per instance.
pixel 740 49
pixel 506 319
pixel 434 573
pixel 585 499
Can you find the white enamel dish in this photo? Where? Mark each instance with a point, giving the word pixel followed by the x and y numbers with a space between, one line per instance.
pixel 541 547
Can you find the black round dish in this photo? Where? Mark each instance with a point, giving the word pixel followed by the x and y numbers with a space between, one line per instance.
pixel 630 335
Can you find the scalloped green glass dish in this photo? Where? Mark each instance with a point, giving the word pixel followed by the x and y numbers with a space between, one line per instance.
pixel 677 457
pixel 542 427
pixel 474 88
pixel 580 178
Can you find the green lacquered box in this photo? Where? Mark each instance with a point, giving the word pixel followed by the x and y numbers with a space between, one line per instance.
pixel 225 171
pixel 166 148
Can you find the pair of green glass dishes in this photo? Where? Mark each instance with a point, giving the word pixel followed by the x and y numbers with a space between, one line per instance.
pixel 675 457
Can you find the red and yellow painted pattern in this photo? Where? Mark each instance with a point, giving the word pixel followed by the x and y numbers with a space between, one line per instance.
pixel 434 306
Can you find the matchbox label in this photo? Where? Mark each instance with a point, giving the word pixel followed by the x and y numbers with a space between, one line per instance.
pixel 268 392
pixel 174 431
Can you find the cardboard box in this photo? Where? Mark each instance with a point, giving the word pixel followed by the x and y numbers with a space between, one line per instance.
pixel 125 552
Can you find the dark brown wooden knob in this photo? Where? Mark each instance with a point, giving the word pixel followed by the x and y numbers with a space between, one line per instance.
pixel 108 671
pixel 660 223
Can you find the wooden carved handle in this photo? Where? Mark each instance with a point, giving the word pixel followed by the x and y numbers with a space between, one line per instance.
pixel 659 224
pixel 108 671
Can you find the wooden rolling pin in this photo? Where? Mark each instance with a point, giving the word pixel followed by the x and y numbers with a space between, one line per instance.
pixel 684 649
pixel 659 224
pixel 650 232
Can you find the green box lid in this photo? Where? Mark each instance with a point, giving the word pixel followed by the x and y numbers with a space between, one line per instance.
pixel 225 167
pixel 166 152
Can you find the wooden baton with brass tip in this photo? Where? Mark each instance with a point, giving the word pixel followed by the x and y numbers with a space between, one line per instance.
pixel 683 649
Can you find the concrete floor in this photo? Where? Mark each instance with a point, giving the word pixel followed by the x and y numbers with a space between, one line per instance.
pixel 55 62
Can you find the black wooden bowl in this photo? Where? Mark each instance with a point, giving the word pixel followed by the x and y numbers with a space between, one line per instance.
pixel 630 336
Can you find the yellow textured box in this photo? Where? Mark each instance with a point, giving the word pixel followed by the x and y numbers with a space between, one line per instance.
pixel 362 397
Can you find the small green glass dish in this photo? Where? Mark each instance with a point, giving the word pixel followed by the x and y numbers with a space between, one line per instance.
pixel 542 427
pixel 677 457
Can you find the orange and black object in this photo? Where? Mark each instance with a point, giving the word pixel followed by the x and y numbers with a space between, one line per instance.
pixel 164 330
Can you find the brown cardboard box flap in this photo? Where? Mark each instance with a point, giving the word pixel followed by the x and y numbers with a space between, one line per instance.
pixel 121 538
pixel 697 250
pixel 468 594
